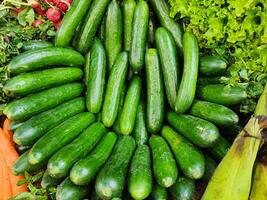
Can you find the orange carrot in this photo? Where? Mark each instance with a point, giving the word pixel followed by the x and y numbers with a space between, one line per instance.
pixel 7 132
pixel 5 185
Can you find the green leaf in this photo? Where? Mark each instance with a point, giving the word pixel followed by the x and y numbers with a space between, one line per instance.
pixel 26 16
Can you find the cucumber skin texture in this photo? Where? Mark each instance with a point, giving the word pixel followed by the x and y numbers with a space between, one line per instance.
pixel 68 191
pixel 35 44
pixel 128 7
pixel 59 136
pixel 140 174
pixel 189 158
pixel 90 25
pixel 164 166
pixel 184 189
pixel 86 67
pixel 31 82
pixel 42 58
pixel 30 131
pixel 29 106
pixel 221 94
pixel 162 10
pixel 169 63
pixel 129 110
pixel 212 66
pixel 159 192
pixel 210 166
pixel 60 164
pixel 70 22
pixel 84 171
pixel 187 88
pixel 97 75
pixel 220 148
pixel 155 93
pixel 217 114
pixel 199 131
pixel 139 35
pixel 111 179
pixel 48 181
pixel 113 32
pixel 114 89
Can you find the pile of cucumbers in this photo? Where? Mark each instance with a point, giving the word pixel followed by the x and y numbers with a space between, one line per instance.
pixel 115 109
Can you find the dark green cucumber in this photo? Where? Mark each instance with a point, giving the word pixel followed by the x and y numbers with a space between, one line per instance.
pixel 85 170
pixel 215 113
pixel 42 58
pixel 197 130
pixel 90 25
pixel 15 125
pixel 155 93
pixel 29 106
pixel 111 179
pixel 212 66
pixel 35 44
pixel 204 80
pixel 48 181
pixel 159 192
pixel 162 9
pixel 210 166
pixel 70 22
pixel 59 136
pixel 97 75
pixel 189 158
pixel 86 68
pixel 60 164
pixel 164 166
pixel 169 63
pixel 184 188
pixel 129 110
pixel 114 89
pixel 139 35
pixel 222 94
pixel 69 191
pixel 31 82
pixel 151 31
pixel 187 88
pixel 128 7
pixel 140 173
pixel 220 148
pixel 113 32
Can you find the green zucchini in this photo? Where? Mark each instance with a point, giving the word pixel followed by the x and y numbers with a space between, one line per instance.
pixel 70 22
pixel 210 166
pixel 42 58
pixel 184 188
pixel 199 131
pixel 48 181
pixel 212 66
pixel 14 125
pixel 189 158
pixel 59 136
pixel 97 75
pixel 155 93
pixel 139 35
pixel 86 68
pixel 35 44
pixel 219 149
pixel 164 166
pixel 159 192
pixel 111 179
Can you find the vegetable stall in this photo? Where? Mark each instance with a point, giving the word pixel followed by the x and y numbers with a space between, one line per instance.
pixel 133 99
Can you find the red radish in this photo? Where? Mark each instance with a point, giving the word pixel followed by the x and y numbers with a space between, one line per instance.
pixel 18 10
pixel 57 24
pixel 37 22
pixel 37 7
pixel 63 5
pixel 53 14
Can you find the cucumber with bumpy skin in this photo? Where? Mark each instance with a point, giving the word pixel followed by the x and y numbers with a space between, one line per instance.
pixel 159 192
pixel 184 189
pixel 212 66
pixel 48 181
pixel 210 166
pixel 220 148
pixel 35 44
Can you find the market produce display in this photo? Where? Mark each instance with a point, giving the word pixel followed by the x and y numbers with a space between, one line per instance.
pixel 123 102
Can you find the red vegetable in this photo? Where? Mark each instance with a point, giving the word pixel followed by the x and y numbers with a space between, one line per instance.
pixel 63 5
pixel 37 22
pixel 37 7
pixel 53 14
pixel 57 24
pixel 18 10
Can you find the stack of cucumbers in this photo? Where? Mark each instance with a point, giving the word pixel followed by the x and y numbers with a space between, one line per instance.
pixel 115 109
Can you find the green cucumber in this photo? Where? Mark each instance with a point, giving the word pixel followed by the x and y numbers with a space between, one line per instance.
pixel 162 9
pixel 70 22
pixel 155 93
pixel 187 88
pixel 48 181
pixel 113 32
pixel 139 35
pixel 96 80
pixel 60 164
pixel 90 25
pixel 210 166
pixel 59 136
pixel 205 80
pixel 114 89
pixel 129 110
pixel 164 166
pixel 111 179
pixel 85 170
pixel 169 63
pixel 86 68
pixel 69 191
pixel 31 82
pixel 220 148
pixel 217 114
pixel 101 29
pixel 212 66
pixel 29 106
pixel 184 189
pixel 151 31
pixel 14 125
pixel 140 173
pixel 128 7
pixel 199 131
pixel 35 44
pixel 189 158
pixel 222 94
pixel 22 149
pixel 42 58
pixel 159 192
